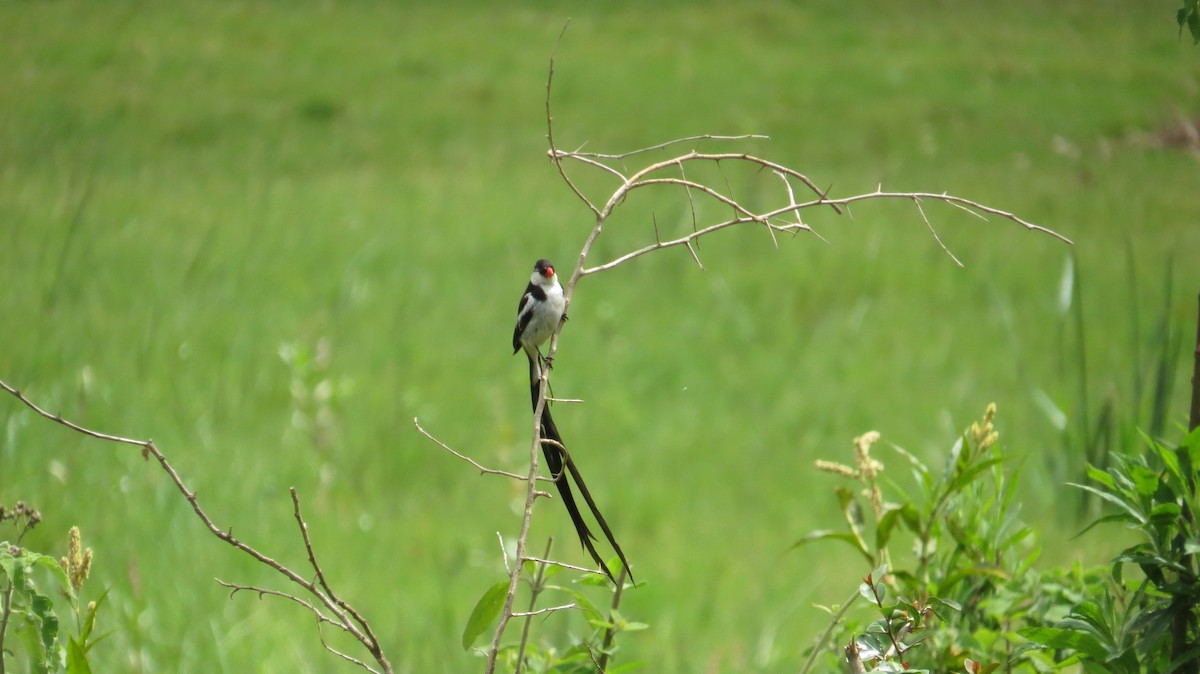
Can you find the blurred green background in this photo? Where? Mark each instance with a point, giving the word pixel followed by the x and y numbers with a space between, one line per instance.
pixel 270 234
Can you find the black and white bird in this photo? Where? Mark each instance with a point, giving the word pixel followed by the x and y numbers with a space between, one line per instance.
pixel 538 315
pixel 540 310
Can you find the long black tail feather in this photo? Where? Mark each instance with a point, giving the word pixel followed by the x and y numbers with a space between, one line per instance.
pixel 560 464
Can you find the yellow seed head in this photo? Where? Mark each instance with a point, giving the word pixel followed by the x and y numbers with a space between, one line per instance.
pixel 78 562
pixel 867 466
pixel 837 469
pixel 983 433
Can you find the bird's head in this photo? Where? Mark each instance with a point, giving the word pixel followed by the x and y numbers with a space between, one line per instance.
pixel 543 272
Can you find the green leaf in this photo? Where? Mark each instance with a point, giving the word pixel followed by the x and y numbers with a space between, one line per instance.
pixel 867 592
pixel 1091 613
pixel 1056 637
pixel 581 600
pixel 1189 16
pixel 829 534
pixel 41 606
pixel 1151 560
pixel 969 475
pixel 937 605
pixel 89 621
pixel 1169 458
pixel 1165 513
pixel 1100 476
pixel 77 662
pixel 55 568
pixel 1111 498
pixel 891 515
pixel 1145 481
pixel 486 610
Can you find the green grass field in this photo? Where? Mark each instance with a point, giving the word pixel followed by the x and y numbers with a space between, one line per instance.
pixel 187 188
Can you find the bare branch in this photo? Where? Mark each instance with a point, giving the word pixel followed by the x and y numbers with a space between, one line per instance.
pixel 540 611
pixel 346 617
pixel 921 210
pixel 503 552
pixel 572 567
pixel 345 656
pixel 263 591
pixel 75 427
pixel 535 589
pixel 663 146
pixel 482 469
pixel 965 204
pixel 692 250
pixel 555 155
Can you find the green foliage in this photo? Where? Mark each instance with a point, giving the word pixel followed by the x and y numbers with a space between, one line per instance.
pixel 1138 394
pixel 27 613
pixel 954 602
pixel 1189 16
pixel 587 654
pixel 485 612
pixel 1149 622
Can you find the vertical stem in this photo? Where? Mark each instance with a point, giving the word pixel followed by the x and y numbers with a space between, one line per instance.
pixel 5 612
pixel 1194 418
pixel 535 589
pixel 611 631
pixel 1183 623
pixel 531 491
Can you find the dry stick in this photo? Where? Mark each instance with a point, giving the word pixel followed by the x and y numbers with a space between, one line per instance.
pixel 234 588
pixel 535 589
pixel 482 469
pixel 321 618
pixel 663 146
pixel 540 611
pixel 550 128
pixel 642 178
pixel 572 567
pixel 531 493
pixel 348 619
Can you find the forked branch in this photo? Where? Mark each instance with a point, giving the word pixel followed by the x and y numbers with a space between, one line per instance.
pixel 336 611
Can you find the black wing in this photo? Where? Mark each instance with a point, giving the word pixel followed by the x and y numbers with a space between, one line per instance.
pixel 525 312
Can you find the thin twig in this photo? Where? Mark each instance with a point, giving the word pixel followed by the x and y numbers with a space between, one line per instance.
pixel 535 589
pixel 555 156
pixel 347 618
pixel 540 611
pixel 503 552
pixel 663 146
pixel 572 567
pixel 264 591
pixel 482 469
pixel 312 560
pixel 921 210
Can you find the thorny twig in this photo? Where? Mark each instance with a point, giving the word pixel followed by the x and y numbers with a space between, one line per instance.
pixel 344 616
